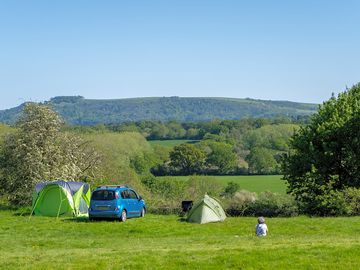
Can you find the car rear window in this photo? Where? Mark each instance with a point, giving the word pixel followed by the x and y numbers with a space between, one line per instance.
pixel 103 195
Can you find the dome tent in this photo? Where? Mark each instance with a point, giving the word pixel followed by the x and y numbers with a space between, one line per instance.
pixel 205 211
pixel 61 198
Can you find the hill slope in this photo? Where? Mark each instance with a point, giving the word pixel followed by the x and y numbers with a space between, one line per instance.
pixel 81 111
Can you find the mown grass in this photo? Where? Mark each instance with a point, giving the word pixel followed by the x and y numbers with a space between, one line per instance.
pixel 164 242
pixel 170 143
pixel 254 183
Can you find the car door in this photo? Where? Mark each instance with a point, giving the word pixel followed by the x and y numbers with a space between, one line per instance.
pixel 134 200
pixel 126 203
pixel 103 200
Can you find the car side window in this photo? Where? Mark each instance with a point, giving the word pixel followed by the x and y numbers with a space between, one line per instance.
pixel 125 194
pixel 133 194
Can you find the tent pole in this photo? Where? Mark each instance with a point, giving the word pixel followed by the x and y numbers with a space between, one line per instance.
pixel 57 217
pixel 33 209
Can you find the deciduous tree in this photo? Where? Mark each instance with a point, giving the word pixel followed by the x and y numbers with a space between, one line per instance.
pixel 38 151
pixel 325 156
pixel 187 158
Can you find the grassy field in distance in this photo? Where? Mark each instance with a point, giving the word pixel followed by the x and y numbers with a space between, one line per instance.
pixel 254 183
pixel 164 242
pixel 170 143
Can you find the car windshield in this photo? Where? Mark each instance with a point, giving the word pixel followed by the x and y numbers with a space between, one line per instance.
pixel 103 195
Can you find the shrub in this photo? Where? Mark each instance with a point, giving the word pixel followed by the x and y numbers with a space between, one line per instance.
pixel 331 202
pixel 241 200
pixel 230 189
pixel 166 194
pixel 352 197
pixel 198 186
pixel 143 162
pixel 268 204
pixel 273 205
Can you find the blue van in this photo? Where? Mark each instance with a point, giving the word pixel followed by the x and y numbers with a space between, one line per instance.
pixel 119 202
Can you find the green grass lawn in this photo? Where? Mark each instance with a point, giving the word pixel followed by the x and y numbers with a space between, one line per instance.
pixel 254 183
pixel 164 242
pixel 170 143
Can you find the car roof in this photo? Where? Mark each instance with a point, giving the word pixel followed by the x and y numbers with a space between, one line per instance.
pixel 112 187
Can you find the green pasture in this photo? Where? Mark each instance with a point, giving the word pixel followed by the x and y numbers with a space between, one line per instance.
pixel 170 143
pixel 165 242
pixel 254 183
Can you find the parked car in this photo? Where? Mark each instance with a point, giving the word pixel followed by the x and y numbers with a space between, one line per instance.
pixel 118 202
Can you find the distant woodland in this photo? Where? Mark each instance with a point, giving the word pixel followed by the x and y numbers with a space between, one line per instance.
pixel 77 110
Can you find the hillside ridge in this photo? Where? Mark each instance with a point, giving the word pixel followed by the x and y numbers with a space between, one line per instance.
pixel 77 110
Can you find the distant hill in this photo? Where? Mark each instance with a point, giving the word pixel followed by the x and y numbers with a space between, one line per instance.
pixel 80 111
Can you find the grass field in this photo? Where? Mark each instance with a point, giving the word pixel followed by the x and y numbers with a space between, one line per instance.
pixel 170 143
pixel 254 183
pixel 164 242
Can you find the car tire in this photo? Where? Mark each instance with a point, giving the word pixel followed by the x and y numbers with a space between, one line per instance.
pixel 123 216
pixel 142 213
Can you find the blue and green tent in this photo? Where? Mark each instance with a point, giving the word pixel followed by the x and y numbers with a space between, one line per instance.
pixel 61 198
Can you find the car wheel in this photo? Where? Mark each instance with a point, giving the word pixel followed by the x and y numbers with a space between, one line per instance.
pixel 142 213
pixel 123 216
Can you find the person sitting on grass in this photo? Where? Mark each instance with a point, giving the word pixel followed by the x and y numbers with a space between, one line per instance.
pixel 261 227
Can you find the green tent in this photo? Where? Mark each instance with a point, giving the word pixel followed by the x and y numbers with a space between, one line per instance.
pixel 61 198
pixel 206 210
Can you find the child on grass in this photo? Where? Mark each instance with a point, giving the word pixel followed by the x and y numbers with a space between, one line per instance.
pixel 261 228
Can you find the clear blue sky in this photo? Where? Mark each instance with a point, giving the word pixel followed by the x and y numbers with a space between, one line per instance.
pixel 279 50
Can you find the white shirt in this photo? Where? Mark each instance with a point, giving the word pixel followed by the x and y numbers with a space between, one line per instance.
pixel 261 229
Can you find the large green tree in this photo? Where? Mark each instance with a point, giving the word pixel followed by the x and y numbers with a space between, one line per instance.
pixel 187 159
pixel 38 151
pixel 261 161
pixel 221 157
pixel 325 158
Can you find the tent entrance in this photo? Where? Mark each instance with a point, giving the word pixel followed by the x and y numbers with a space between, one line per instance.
pixel 53 202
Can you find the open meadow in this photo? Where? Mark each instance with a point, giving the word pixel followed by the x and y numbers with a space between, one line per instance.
pixel 170 143
pixel 253 183
pixel 165 242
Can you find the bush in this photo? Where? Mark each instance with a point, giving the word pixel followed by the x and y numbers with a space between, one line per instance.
pixel 352 197
pixel 344 202
pixel 160 206
pixel 198 186
pixel 268 204
pixel 273 205
pixel 238 204
pixel 143 162
pixel 230 189
pixel 166 194
pixel 332 203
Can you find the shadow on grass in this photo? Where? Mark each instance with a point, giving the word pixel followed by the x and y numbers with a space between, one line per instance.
pixel 87 220
pixel 78 219
pixel 25 212
pixel 182 219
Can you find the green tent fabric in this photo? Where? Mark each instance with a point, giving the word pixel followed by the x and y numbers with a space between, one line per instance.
pixel 205 211
pixel 61 198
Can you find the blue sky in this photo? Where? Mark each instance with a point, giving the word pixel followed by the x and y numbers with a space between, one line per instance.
pixel 279 50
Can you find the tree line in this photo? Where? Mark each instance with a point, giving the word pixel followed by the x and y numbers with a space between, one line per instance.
pixel 174 130
pixel 248 146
